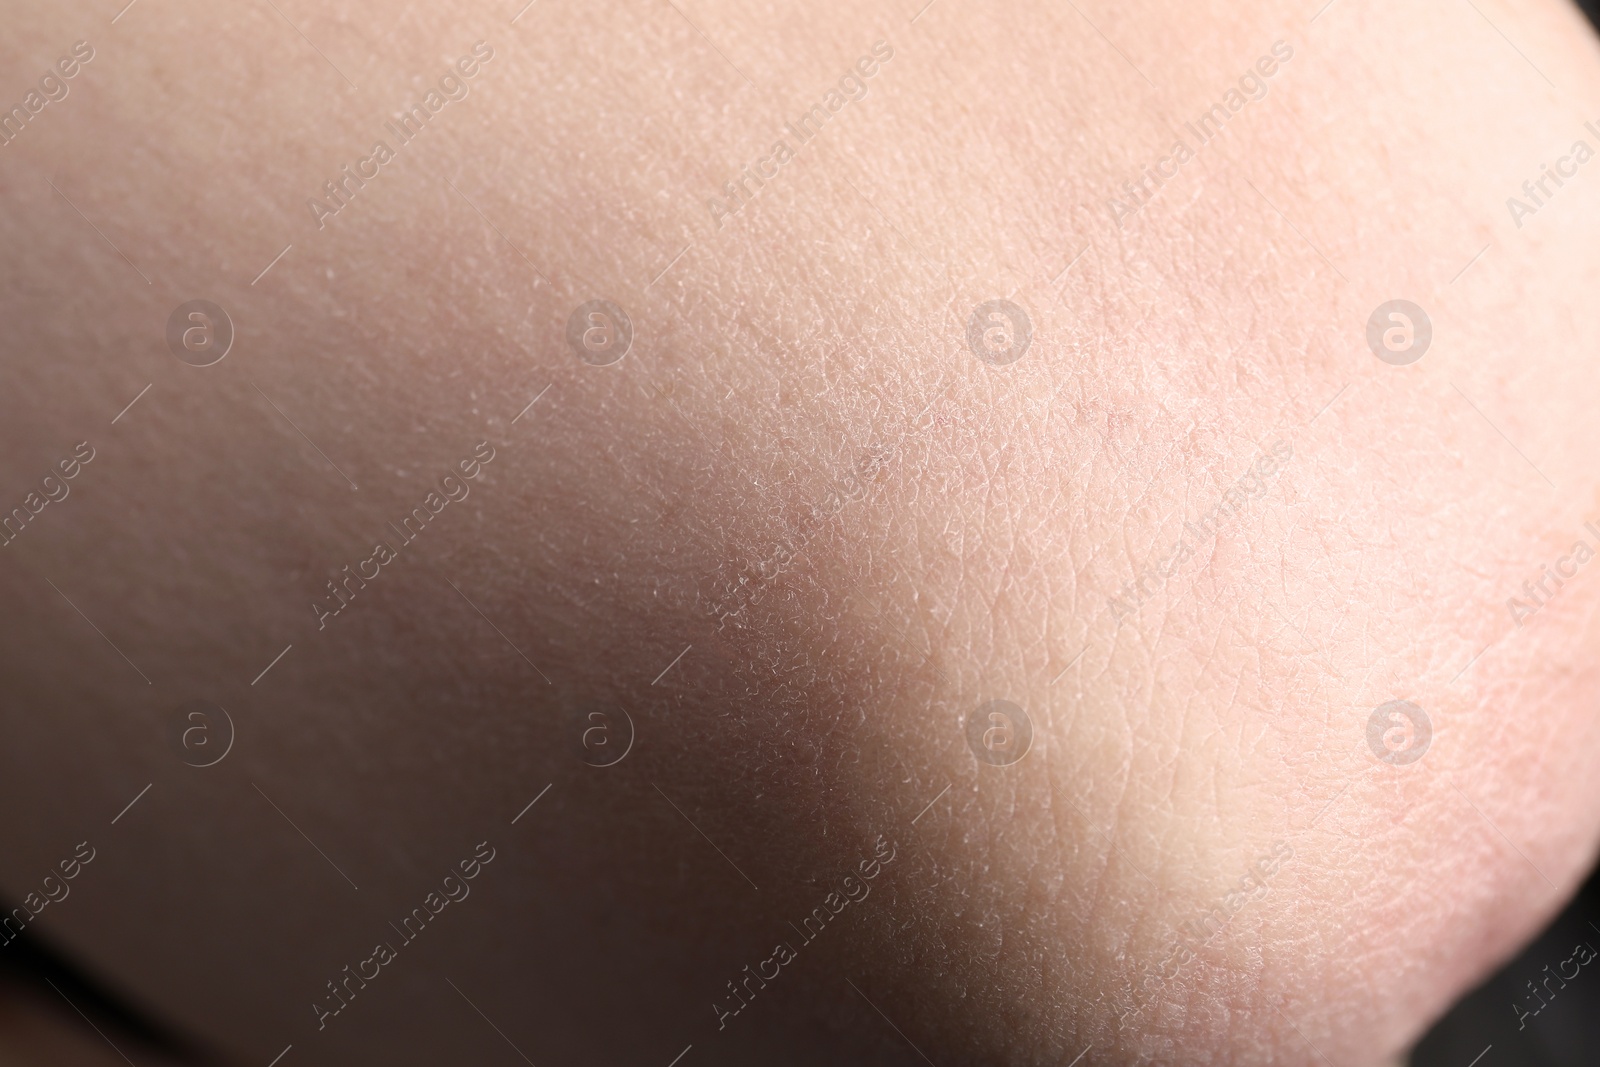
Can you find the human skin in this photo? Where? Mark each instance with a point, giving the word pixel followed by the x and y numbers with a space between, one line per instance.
pixel 800 533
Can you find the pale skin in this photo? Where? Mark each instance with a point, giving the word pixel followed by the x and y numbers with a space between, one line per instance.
pixel 800 532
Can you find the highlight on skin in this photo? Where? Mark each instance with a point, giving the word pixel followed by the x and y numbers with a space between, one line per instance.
pixel 1159 558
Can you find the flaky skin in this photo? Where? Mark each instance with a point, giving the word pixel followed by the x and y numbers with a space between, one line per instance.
pixel 1201 531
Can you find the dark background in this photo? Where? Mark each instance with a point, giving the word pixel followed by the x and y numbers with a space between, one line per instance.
pixel 1564 1033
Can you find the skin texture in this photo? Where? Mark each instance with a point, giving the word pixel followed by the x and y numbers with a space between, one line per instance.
pixel 799 533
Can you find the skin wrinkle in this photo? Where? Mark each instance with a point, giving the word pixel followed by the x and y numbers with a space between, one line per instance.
pixel 596 540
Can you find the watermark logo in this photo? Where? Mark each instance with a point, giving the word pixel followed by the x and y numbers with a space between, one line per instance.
pixel 1207 127
pixel 999 332
pixel 999 733
pixel 53 489
pixel 344 586
pixel 599 332
pixel 202 733
pixel 852 86
pixel 452 889
pixel 52 88
pixel 1563 570
pixel 1566 167
pixel 1544 992
pixel 53 889
pixel 1399 332
pixel 1194 934
pixel 852 889
pixel 606 737
pixel 1399 732
pixel 406 125
pixel 199 333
